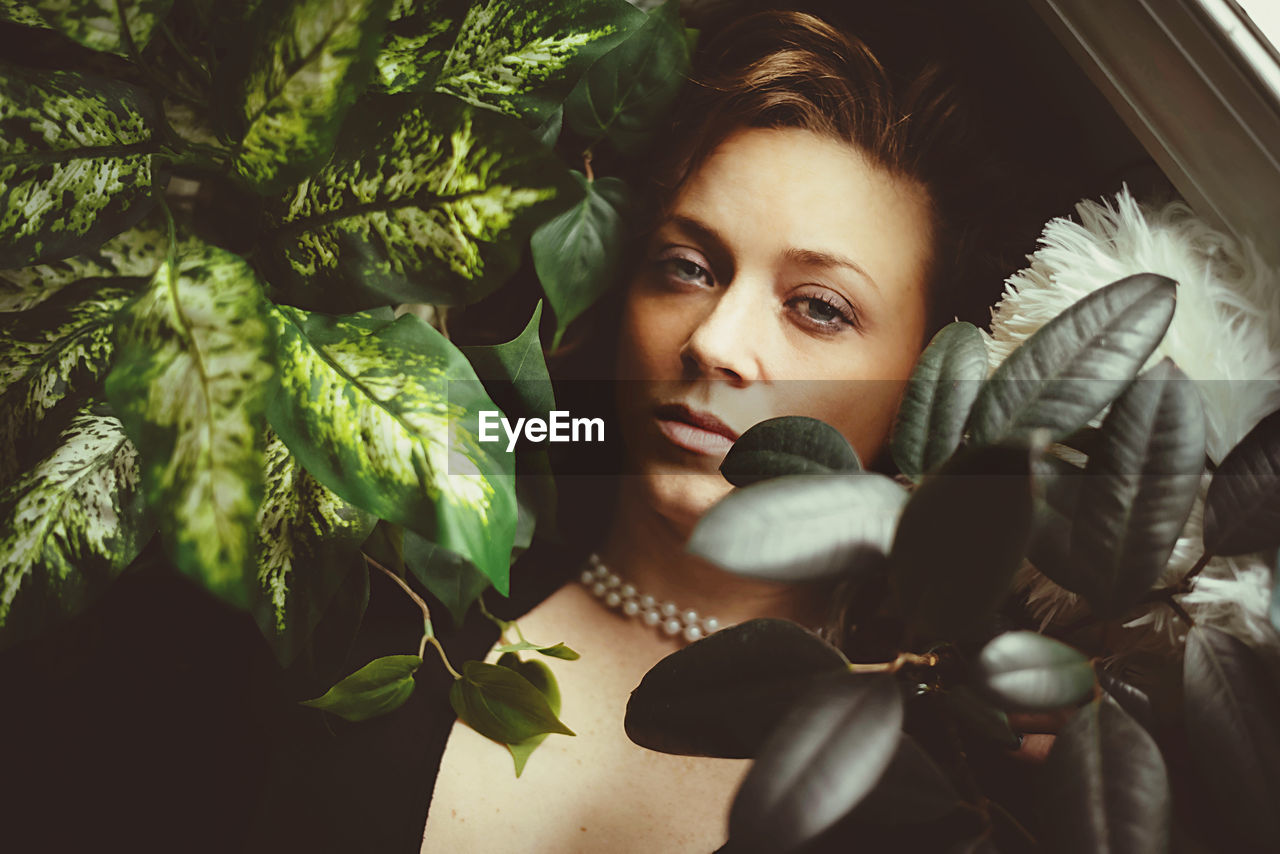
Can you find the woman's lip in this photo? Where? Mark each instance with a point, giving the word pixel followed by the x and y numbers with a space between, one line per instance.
pixel 695 439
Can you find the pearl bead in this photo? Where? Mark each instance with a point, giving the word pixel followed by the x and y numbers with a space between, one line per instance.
pixel 612 599
pixel 628 590
pixel 669 609
pixel 671 627
pixel 613 581
pixel 602 571
pixel 647 602
pixel 692 633
pixel 598 588
pixel 652 618
pixel 689 617
pixel 631 607
pixel 710 625
pixel 588 576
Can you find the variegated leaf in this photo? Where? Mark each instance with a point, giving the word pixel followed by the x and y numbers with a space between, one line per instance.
pixel 523 56
pixel 69 524
pixel 96 24
pixel 308 540
pixel 383 411
pixel 136 252
pixel 193 362
pixel 312 58
pixel 75 163
pixel 427 200
pixel 51 356
pixel 418 39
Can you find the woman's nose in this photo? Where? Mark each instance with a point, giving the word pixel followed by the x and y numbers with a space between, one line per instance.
pixel 725 343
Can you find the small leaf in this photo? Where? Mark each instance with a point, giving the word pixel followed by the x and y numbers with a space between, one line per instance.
pixel 938 398
pixel 578 254
pixel 501 704
pixel 381 686
pixel 1026 671
pixel 626 94
pixel 96 24
pixel 1242 509
pixel 1138 489
pixel 791 444
pixel 520 363
pixel 1106 788
pixel 558 650
pixel 1233 727
pixel 1075 364
pixel 723 695
pixel 825 756
pixel 448 576
pixel 540 677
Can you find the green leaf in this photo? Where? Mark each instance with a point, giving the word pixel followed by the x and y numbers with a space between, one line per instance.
pixel 913 789
pixel 1138 489
pixel 417 41
pixel 1075 364
pixel 540 677
pixel 523 56
pixel 723 695
pixel 625 96
pixel 1131 698
pixel 383 685
pixel 69 525
pixel 192 367
pixel 51 357
pixel 549 130
pixel 136 252
pixel 312 59
pixel 426 200
pixel 825 756
pixel 96 24
pixel 384 412
pixel 1106 788
pixel 308 540
pixel 1232 712
pixel 76 162
pixel 938 398
pixel 979 721
pixel 1242 509
pixel 449 577
pixel 802 527
pixel 515 373
pixel 1026 671
pixel 1056 483
pixel 558 650
pixel 578 254
pixel 790 444
pixel 501 704
pixel 962 536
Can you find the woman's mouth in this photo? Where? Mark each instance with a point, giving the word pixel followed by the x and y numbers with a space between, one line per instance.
pixel 697 432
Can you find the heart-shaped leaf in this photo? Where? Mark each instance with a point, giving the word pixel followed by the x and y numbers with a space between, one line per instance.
pixel 825 756
pixel 1075 364
pixel 501 704
pixel 1233 727
pixel 724 694
pixel 540 677
pixel 1106 788
pixel 1242 509
pixel 936 403
pixel 790 444
pixel 448 576
pixel 515 372
pixel 1138 489
pixel 1026 671
pixel 383 685
pixel 801 528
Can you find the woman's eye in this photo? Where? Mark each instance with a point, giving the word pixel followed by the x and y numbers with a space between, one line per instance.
pixel 825 314
pixel 686 271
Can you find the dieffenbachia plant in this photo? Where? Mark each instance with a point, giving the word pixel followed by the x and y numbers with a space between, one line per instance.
pixel 208 214
pixel 886 733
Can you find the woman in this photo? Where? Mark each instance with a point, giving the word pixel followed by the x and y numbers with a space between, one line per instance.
pixel 800 240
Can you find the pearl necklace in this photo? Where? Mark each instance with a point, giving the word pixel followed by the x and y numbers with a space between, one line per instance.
pixel 610 589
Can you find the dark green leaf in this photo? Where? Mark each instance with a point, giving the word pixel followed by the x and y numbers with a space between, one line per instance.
pixel 791 444
pixel 558 650
pixel 501 704
pixel 520 363
pixel 980 721
pixel 803 527
pixel 1075 364
pixel 723 695
pixel 626 94
pixel 310 61
pixel 384 412
pixel 1026 671
pixel 69 525
pixel 194 359
pixel 1138 489
pixel 962 536
pixel 1132 699
pixel 549 130
pixel 383 685
pixel 540 677
pixel 1056 483
pixel 75 162
pixel 1106 788
pixel 448 576
pixel 824 757
pixel 913 789
pixel 578 254
pixel 96 24
pixel 417 41
pixel 1233 727
pixel 938 398
pixel 1242 510
pixel 426 200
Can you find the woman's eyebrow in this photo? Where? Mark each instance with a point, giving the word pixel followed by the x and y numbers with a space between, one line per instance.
pixel 806 257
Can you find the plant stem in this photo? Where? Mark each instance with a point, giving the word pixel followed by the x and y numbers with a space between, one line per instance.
pixel 586 166
pixel 903 659
pixel 502 625
pixel 1180 611
pixel 427 637
pixel 1195 570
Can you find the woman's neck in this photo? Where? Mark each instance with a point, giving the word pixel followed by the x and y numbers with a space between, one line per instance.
pixel 647 550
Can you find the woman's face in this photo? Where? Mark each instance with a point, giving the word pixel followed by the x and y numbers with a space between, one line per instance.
pixel 788 279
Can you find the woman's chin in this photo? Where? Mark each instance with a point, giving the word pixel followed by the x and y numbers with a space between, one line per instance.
pixel 681 496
